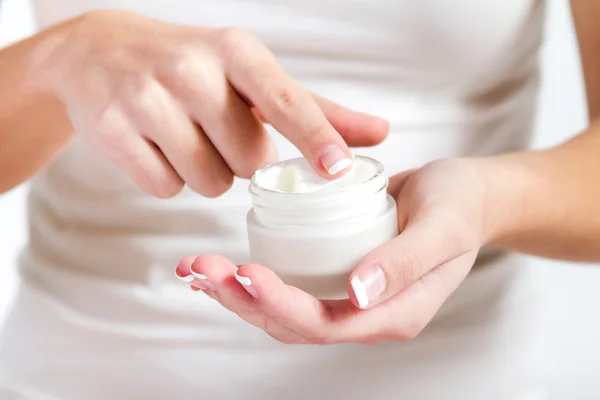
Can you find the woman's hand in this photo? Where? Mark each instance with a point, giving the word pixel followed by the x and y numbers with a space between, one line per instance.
pixel 394 291
pixel 171 104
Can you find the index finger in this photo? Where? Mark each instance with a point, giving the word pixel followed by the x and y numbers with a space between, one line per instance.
pixel 254 72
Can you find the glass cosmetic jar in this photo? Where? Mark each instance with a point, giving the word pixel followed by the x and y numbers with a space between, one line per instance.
pixel 312 232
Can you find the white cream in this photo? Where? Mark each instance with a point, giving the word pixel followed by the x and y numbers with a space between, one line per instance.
pixel 297 176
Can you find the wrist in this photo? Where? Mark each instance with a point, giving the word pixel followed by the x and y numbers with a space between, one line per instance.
pixel 50 57
pixel 512 185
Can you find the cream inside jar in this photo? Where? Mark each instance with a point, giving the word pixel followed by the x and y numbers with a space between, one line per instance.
pixel 297 176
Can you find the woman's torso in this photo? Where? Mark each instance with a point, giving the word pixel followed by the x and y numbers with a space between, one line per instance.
pixel 453 78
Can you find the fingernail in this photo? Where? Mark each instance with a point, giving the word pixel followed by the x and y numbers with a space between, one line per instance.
pixel 335 160
pixel 369 285
pixel 247 284
pixel 204 280
pixel 194 288
pixel 187 278
pixel 198 275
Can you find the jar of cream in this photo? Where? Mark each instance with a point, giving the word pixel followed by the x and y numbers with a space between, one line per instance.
pixel 312 232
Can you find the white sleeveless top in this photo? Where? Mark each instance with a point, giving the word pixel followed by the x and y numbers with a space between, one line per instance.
pixel 100 314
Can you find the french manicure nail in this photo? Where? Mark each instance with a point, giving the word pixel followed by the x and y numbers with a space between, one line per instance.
pixel 369 285
pixel 187 278
pixel 334 160
pixel 247 284
pixel 204 280
pixel 198 275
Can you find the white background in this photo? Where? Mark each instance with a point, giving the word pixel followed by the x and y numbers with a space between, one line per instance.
pixel 571 292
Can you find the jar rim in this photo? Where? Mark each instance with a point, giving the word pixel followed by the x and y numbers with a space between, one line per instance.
pixel 256 189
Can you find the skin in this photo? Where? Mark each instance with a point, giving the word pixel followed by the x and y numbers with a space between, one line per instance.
pixel 139 90
pixel 168 104
pixel 543 203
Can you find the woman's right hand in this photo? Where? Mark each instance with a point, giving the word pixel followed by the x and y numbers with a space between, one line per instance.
pixel 173 105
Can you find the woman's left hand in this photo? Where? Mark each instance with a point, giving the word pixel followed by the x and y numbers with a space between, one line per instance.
pixel 394 291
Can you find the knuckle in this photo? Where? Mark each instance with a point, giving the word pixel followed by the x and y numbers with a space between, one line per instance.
pixel 283 99
pixel 136 95
pixel 165 188
pixel 212 188
pixel 140 89
pixel 178 64
pixel 107 129
pixel 189 71
pixel 406 268
pixel 232 40
pixel 111 137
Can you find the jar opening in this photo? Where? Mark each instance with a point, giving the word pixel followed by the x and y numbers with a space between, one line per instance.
pixel 295 177
pixel 317 199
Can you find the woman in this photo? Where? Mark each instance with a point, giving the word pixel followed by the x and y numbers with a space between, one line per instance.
pixel 161 96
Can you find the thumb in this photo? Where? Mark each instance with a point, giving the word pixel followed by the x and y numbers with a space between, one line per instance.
pixel 397 182
pixel 428 240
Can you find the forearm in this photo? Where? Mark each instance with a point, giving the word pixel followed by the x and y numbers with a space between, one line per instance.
pixel 547 203
pixel 33 123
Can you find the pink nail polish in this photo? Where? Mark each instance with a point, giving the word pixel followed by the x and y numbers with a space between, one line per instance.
pixel 368 285
pixel 202 279
pixel 335 160
pixel 247 284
